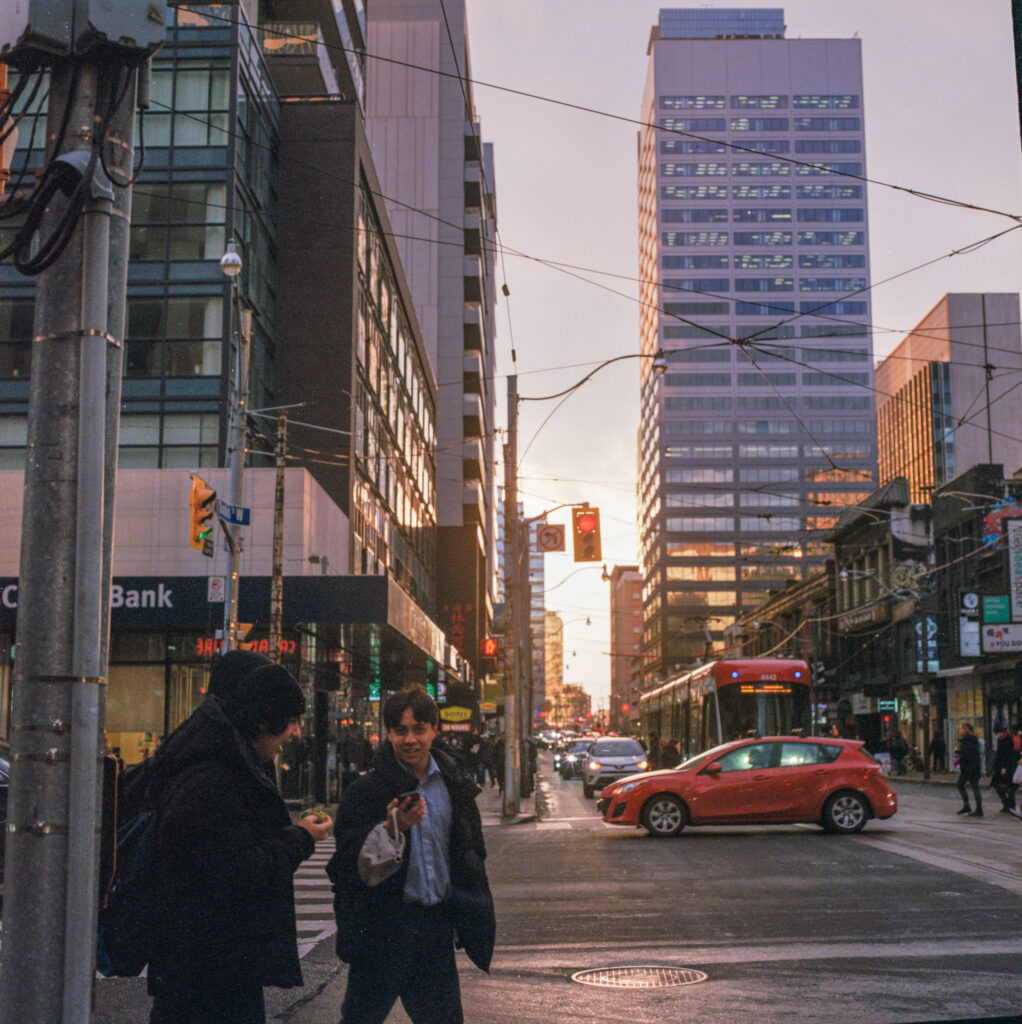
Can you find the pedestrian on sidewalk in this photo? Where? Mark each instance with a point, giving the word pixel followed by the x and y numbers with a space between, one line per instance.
pixel 1005 760
pixel 653 751
pixel 224 915
pixel 970 768
pixel 497 753
pixel 398 936
pixel 938 753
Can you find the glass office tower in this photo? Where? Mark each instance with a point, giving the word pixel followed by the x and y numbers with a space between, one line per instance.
pixel 755 281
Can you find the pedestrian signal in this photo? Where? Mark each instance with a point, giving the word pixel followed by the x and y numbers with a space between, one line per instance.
pixel 201 502
pixel 489 647
pixel 585 531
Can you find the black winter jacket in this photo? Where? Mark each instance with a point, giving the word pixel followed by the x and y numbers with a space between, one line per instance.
pixel 970 764
pixel 226 857
pixel 369 919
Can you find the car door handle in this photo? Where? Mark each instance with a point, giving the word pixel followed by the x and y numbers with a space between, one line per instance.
pixel 759 777
pixel 820 771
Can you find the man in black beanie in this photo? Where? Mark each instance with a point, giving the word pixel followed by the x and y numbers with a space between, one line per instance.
pixel 229 669
pixel 226 853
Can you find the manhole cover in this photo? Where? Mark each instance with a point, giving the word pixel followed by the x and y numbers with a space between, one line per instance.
pixel 638 977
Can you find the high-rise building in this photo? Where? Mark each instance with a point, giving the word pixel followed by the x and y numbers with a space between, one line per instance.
pixel 753 251
pixel 625 646
pixel 437 176
pixel 946 396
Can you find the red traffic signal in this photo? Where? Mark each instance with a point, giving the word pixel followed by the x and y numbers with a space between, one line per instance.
pixel 489 647
pixel 585 531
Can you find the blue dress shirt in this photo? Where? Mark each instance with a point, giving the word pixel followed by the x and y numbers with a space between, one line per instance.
pixel 429 861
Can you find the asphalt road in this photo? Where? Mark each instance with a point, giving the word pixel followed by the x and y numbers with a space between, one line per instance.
pixel 919 918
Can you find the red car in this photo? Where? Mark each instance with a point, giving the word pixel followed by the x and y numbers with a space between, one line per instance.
pixel 781 779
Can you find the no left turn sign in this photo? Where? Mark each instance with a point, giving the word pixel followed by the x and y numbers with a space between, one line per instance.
pixel 550 537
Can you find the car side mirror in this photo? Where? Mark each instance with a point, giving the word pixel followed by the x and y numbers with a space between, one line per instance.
pixel 713 768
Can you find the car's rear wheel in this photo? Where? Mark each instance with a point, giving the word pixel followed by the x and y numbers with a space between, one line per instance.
pixel 845 813
pixel 664 815
pixel 588 791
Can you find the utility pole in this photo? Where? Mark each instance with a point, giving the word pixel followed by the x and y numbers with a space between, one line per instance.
pixel 277 579
pixel 230 264
pixel 512 687
pixel 47 959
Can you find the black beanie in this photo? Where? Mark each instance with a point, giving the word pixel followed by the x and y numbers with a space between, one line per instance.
pixel 267 698
pixel 229 670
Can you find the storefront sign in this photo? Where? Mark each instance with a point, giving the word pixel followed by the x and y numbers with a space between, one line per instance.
pixel 996 609
pixel 968 624
pixel 993 522
pixel 1015 568
pixel 863 618
pixel 1004 639
pixel 926 643
pixel 488 706
pixel 453 714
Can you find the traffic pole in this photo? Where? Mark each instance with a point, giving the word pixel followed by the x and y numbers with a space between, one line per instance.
pixel 512 597
pixel 47 958
pixel 277 577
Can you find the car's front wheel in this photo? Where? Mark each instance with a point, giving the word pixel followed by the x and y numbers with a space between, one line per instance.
pixel 588 791
pixel 664 815
pixel 845 813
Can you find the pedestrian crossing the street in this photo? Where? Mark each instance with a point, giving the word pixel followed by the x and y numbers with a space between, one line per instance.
pixel 314 899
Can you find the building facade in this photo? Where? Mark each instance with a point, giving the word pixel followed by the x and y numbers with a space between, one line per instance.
pixel 625 647
pixel 753 255
pixel 332 326
pixel 437 177
pixel 946 395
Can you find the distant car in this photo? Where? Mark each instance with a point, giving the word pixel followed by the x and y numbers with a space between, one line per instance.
pixel 829 782
pixel 573 759
pixel 611 759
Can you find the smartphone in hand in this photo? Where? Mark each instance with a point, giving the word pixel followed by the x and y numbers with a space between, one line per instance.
pixel 412 795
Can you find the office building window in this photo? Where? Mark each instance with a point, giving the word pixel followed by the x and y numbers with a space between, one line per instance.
pixel 183 221
pixel 694 238
pixel 763 402
pixel 832 214
pixel 835 355
pixel 695 262
pixel 763 238
pixel 823 380
pixel 690 192
pixel 691 146
pixel 828 146
pixel 758 124
pixel 775 306
pixel 829 238
pixel 831 261
pixel 831 402
pixel 831 284
pixel 834 308
pixel 697 403
pixel 768 451
pixel 692 102
pixel 775 427
pixel 698 451
pixel 703 169
pixel 16 337
pixel 693 124
pixel 759 102
pixel 835 331
pixel 764 284
pixel 825 102
pixel 697 284
pixel 764 261
pixel 827 124
pixel 700 475
pixel 674 428
pixel 761 192
pixel 768 523
pixel 699 524
pixel 760 169
pixel 698 380
pixel 828 191
pixel 765 145
pixel 762 215
pixel 706 215
pixel 828 168
pixel 698 355
pixel 697 500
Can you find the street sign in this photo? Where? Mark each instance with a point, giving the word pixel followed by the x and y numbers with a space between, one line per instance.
pixel 236 515
pixel 550 537
pixel 1004 638
pixel 215 589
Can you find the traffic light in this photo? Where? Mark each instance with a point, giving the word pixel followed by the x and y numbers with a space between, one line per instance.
pixel 489 647
pixel 585 532
pixel 200 504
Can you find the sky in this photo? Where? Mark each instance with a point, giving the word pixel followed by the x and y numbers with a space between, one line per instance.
pixel 941 116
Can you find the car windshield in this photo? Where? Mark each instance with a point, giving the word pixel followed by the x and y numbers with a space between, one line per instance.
pixel 579 747
pixel 616 748
pixel 706 755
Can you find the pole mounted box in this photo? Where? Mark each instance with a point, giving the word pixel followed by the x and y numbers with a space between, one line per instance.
pixel 36 33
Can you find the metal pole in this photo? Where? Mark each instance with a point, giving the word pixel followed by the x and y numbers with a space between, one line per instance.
pixel 511 627
pixel 277 579
pixel 47 956
pixel 232 532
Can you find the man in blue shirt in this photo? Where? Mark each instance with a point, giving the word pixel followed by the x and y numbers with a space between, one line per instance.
pixel 398 936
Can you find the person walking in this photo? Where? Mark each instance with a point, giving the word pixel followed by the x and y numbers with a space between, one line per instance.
pixel 970 768
pixel 670 755
pixel 1001 776
pixel 226 851
pixel 653 751
pixel 938 753
pixel 398 936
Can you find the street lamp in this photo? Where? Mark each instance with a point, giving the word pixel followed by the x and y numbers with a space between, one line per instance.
pixel 230 264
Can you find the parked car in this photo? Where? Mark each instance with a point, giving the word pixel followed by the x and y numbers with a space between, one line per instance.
pixel 830 782
pixel 573 759
pixel 610 759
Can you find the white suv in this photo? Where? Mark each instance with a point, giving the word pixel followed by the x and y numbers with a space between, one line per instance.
pixel 610 759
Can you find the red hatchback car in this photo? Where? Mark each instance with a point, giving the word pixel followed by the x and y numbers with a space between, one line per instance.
pixel 777 780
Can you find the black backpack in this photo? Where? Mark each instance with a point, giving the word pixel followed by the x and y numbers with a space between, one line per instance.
pixel 124 934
